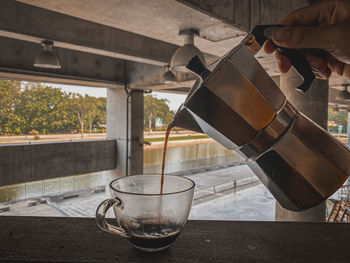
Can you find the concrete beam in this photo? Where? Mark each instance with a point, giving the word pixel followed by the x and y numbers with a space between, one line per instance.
pixel 25 22
pixel 246 14
pixel 78 68
pixel 26 163
pixel 91 54
pixel 142 76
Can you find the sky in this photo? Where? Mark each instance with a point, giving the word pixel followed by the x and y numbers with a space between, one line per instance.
pixel 175 100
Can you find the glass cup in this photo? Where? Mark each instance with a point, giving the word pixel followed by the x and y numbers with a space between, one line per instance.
pixel 149 220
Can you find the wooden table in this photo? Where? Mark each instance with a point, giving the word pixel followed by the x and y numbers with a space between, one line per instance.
pixel 62 239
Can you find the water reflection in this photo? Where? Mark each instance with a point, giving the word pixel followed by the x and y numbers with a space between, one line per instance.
pixel 186 156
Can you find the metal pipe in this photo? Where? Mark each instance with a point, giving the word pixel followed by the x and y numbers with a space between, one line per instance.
pixel 127 131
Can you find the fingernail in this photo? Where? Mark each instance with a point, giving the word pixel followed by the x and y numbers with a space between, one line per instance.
pixel 315 65
pixel 281 34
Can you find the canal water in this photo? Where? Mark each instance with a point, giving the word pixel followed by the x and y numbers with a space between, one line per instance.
pixel 181 156
pixel 187 156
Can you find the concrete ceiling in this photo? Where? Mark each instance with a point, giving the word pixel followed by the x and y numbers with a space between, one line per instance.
pixel 163 19
pixel 158 19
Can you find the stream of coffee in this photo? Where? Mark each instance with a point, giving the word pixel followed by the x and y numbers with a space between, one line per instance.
pixel 164 153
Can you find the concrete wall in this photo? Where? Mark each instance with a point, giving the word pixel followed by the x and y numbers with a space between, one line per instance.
pixel 27 163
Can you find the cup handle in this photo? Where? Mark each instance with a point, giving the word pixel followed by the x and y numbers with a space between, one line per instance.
pixel 101 216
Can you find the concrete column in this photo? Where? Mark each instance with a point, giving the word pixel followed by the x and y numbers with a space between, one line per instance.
pixel 313 104
pixel 348 129
pixel 136 136
pixel 116 129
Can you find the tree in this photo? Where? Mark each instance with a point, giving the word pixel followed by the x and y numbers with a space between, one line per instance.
pixel 39 109
pixel 43 109
pixel 101 116
pixel 85 109
pixel 92 113
pixel 154 108
pixel 338 118
pixel 9 98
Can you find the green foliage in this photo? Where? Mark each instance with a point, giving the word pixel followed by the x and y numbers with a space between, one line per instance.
pixel 38 109
pixel 338 118
pixel 154 108
pixel 9 99
pixel 101 116
pixel 44 109
pixel 89 111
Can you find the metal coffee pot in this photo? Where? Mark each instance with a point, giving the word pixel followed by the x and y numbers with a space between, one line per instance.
pixel 237 104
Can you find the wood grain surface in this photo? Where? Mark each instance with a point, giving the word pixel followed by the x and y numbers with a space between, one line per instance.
pixel 49 239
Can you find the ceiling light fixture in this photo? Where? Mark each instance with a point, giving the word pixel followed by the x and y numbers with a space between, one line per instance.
pixel 344 94
pixel 46 58
pixel 168 77
pixel 185 53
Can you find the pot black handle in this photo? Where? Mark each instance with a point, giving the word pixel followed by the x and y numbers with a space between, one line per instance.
pixel 301 66
pixel 298 61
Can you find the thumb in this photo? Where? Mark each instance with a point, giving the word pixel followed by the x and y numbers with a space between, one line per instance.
pixel 303 37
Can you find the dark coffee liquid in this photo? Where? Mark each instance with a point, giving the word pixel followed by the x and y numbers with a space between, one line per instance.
pixel 152 233
pixel 153 242
pixel 164 153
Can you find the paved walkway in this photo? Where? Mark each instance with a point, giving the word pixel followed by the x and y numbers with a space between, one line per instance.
pixel 252 201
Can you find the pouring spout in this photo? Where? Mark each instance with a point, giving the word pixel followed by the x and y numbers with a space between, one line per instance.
pixel 183 119
pixel 197 67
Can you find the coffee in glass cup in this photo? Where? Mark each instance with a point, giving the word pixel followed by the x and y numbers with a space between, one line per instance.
pixel 149 220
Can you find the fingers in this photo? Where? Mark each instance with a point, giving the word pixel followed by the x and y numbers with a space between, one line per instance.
pixel 269 47
pixel 319 65
pixel 304 37
pixel 336 66
pixel 323 75
pixel 315 14
pixel 284 64
pixel 315 27
pixel 346 72
pixel 339 67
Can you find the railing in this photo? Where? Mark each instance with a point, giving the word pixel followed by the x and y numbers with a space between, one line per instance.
pixel 61 186
pixel 344 193
pixel 233 186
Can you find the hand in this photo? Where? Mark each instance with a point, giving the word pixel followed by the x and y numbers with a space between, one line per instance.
pixel 322 33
